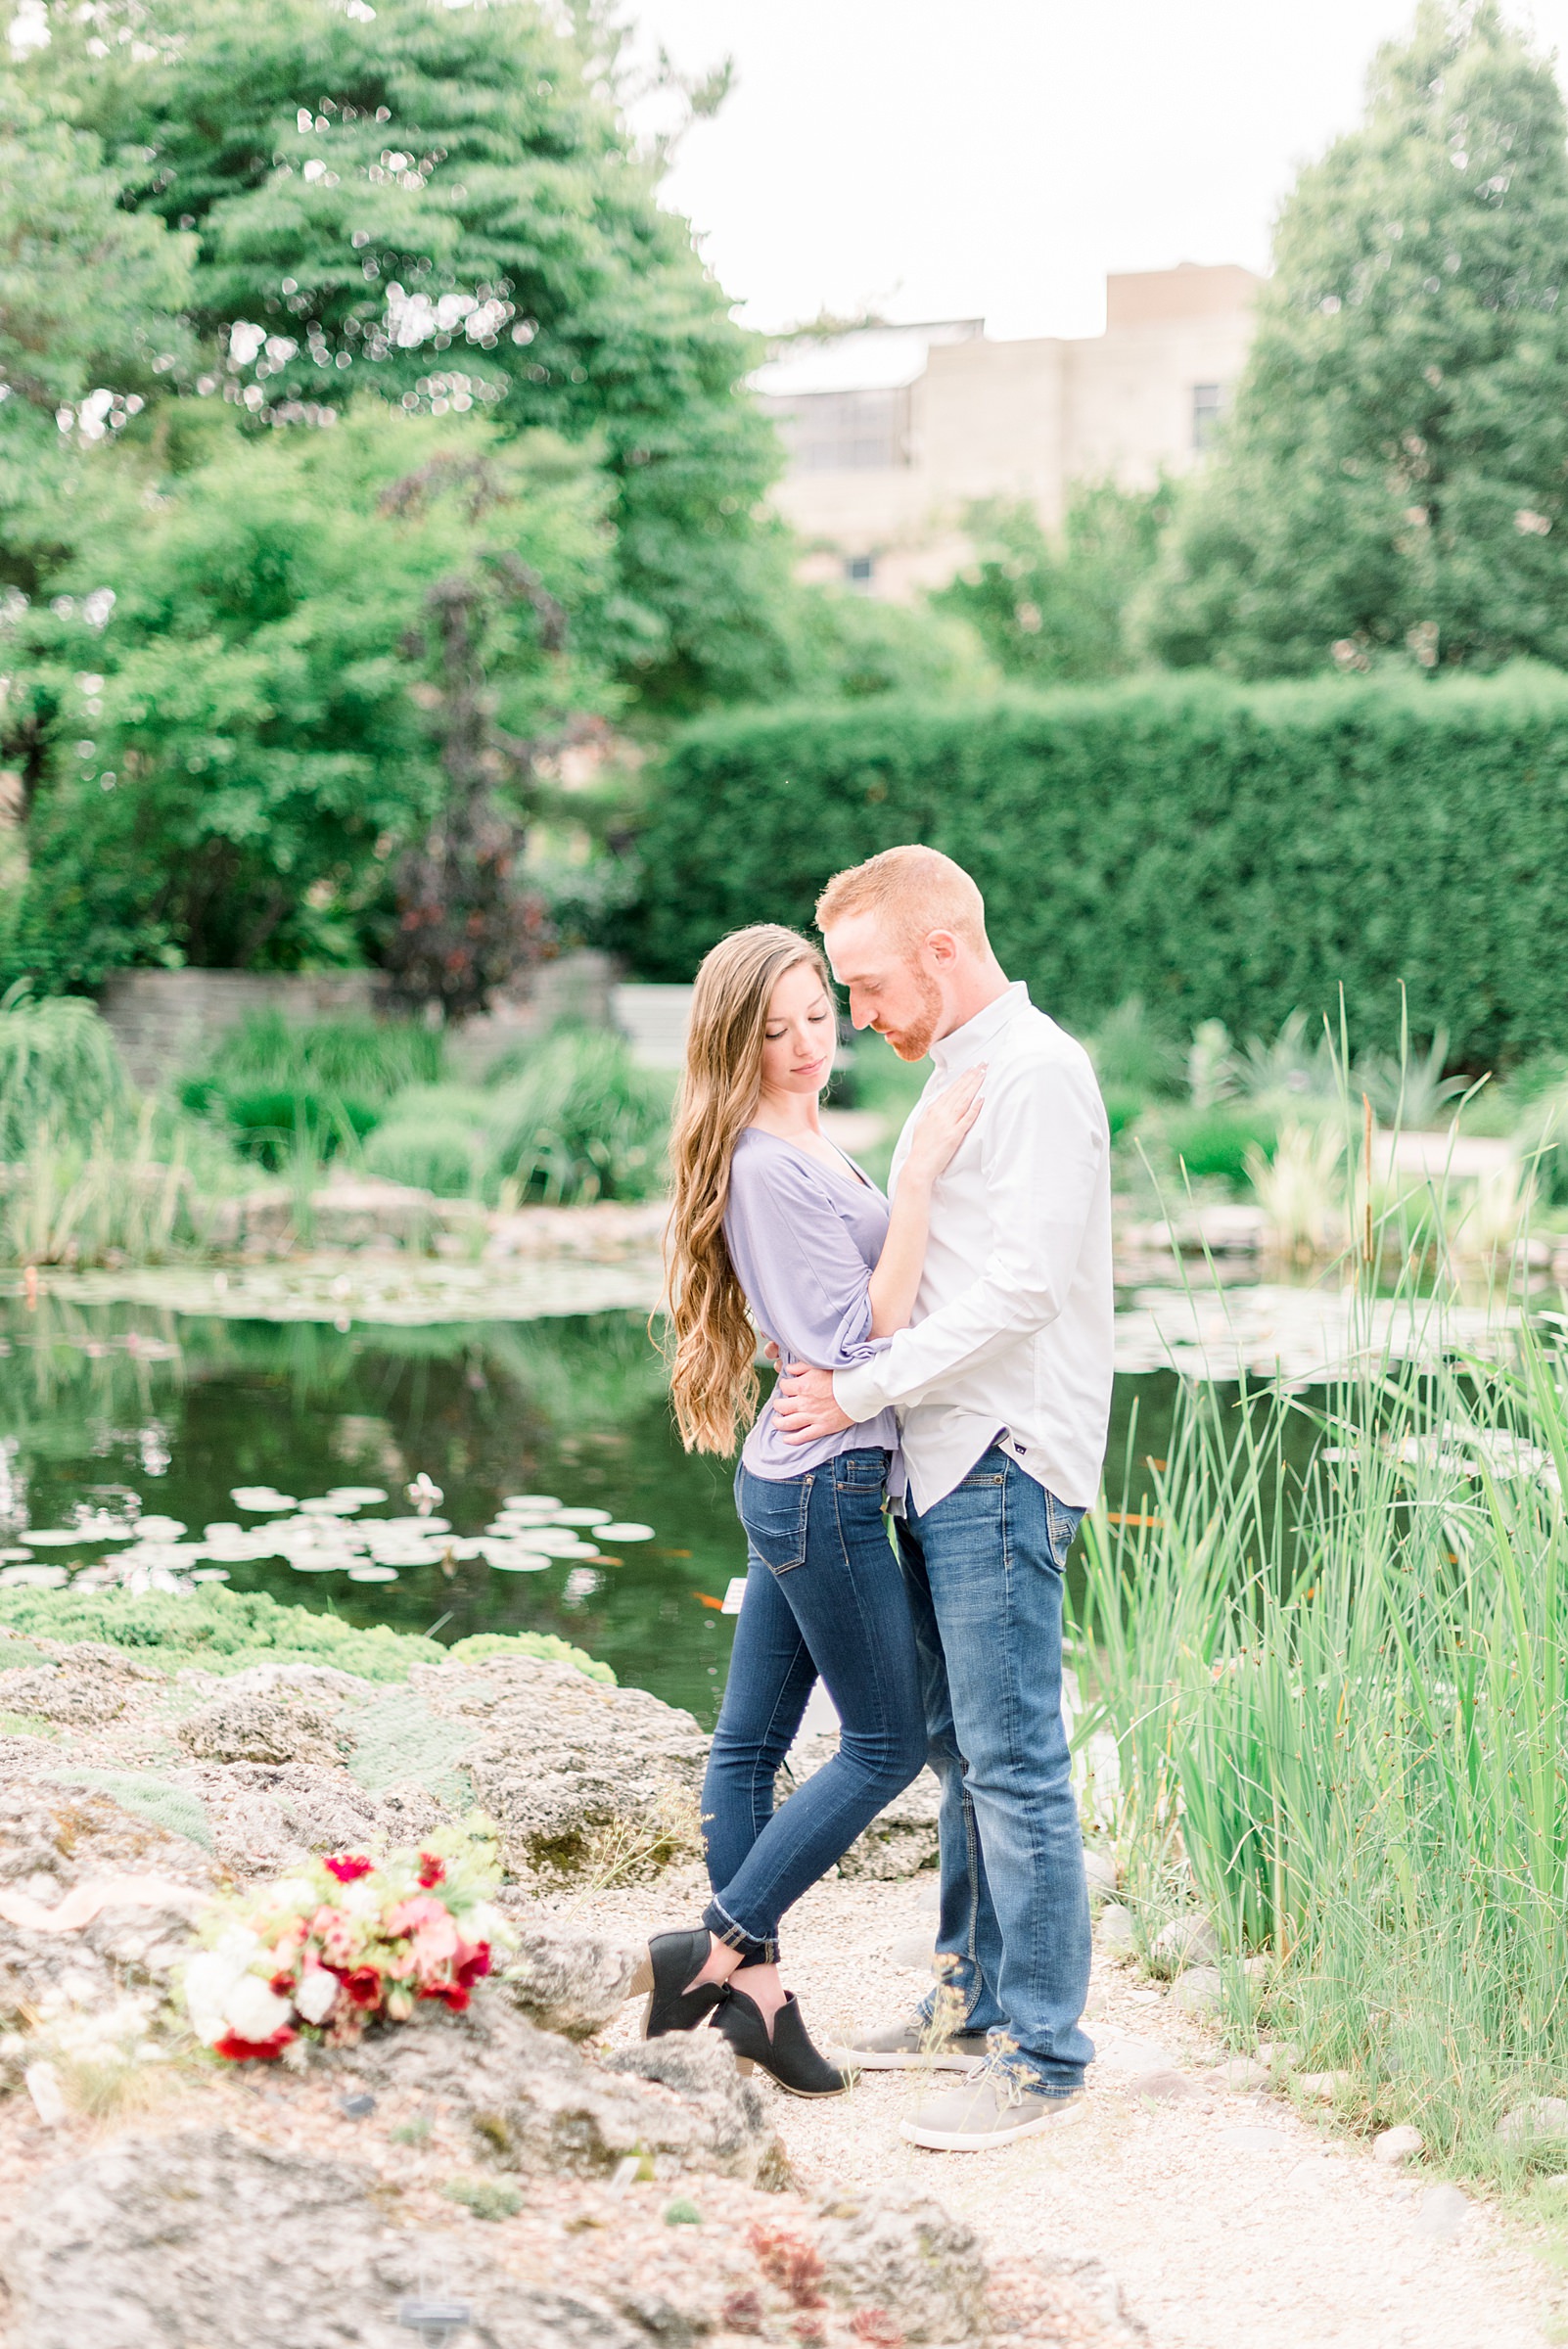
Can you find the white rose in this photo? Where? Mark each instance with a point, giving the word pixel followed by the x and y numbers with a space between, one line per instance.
pixel 316 1995
pixel 253 2012
pixel 212 1976
pixel 295 1892
pixel 360 1899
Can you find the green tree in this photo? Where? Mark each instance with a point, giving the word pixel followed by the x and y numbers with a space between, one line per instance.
pixel 89 296
pixel 1050 612
pixel 247 746
pixel 1393 476
pixel 444 204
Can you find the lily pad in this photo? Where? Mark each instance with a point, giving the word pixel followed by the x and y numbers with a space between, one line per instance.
pixel 624 1533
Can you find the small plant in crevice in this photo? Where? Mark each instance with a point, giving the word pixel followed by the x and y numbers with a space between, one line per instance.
pixel 484 2197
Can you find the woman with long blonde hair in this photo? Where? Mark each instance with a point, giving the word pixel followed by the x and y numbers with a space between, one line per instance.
pixel 774 1231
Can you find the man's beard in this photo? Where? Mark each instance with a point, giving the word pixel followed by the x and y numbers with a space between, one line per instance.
pixel 915 1041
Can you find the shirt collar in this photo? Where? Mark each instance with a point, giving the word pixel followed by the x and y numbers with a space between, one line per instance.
pixel 963 1046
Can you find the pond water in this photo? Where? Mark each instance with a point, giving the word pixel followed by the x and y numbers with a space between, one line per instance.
pixel 132 1409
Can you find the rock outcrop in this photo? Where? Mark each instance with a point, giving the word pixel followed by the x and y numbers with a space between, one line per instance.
pixel 901 1840
pixel 207 2236
pixel 533 2103
pixel 574 1983
pixel 575 1775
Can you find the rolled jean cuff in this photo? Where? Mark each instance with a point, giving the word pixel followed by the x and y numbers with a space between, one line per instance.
pixel 724 1927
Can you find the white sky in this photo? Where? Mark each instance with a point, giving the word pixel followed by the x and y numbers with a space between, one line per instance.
pixel 995 157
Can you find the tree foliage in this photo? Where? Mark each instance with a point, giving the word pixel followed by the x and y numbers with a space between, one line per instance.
pixel 230 767
pixel 443 203
pixel 1054 612
pixel 89 325
pixel 1394 479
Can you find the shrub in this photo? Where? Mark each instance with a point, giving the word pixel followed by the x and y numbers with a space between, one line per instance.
pixel 1217 1142
pixel 581 1121
pixel 316 1087
pixel 436 1136
pixel 1223 851
pixel 60 1070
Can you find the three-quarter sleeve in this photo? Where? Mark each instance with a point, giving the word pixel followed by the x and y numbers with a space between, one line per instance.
pixel 806 1280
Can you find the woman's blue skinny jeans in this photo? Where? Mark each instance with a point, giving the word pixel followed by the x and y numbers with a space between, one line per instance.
pixel 824 1596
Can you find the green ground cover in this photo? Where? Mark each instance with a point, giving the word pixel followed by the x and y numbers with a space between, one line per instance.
pixel 225 1631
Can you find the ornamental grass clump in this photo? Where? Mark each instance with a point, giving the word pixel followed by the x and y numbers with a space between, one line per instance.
pixel 348 1942
pixel 1339 1692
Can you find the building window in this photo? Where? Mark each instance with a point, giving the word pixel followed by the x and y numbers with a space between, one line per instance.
pixel 860 572
pixel 1205 413
pixel 843 432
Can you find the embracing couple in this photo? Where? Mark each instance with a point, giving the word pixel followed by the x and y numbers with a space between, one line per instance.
pixel 945 1362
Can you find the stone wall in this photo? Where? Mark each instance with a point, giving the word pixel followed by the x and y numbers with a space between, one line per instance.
pixel 167 1021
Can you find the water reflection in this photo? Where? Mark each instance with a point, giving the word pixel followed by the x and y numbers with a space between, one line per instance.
pixel 119 1405
pixel 98 1404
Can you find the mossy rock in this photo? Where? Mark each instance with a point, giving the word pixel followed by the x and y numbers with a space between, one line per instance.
pixel 225 1631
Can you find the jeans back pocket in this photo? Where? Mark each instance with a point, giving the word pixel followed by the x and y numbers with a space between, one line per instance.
pixel 774 1515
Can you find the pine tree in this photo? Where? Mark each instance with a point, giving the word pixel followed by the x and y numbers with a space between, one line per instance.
pixel 1394 479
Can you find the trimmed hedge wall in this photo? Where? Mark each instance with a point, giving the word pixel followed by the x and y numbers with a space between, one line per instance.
pixel 1223 851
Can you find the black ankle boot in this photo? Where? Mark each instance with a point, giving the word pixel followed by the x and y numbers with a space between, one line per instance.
pixel 672 1961
pixel 788 2054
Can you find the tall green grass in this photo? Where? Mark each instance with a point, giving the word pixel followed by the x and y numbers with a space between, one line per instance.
pixel 566 1121
pixel 1340 1703
pixel 60 1070
pixel 125 1194
pixel 287 1091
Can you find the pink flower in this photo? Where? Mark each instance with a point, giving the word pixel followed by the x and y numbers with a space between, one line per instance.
pixel 347 1867
pixel 334 1933
pixel 409 1915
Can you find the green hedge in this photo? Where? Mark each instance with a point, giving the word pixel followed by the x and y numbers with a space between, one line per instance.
pixel 1223 851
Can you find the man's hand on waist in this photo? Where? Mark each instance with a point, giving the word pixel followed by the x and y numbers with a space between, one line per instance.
pixel 804 1408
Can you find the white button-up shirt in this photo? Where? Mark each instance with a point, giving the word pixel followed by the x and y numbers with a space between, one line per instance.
pixel 1011 1334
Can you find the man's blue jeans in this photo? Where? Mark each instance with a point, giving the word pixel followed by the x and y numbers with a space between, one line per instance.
pixel 984 1570
pixel 823 1595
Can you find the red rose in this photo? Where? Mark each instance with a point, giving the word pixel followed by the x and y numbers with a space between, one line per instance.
pixel 363 1985
pixel 347 1867
pixel 451 1994
pixel 253 2051
pixel 471 1967
pixel 432 1871
pixel 282 1985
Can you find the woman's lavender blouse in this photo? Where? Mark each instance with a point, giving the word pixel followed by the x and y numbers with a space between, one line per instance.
pixel 804 1241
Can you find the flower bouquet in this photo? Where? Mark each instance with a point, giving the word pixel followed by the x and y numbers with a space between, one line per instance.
pixel 346 1943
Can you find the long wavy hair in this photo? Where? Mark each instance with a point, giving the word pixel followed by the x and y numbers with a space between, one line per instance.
pixel 713 1377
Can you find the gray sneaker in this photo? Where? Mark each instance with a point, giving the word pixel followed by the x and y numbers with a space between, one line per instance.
pixel 911 2047
pixel 992 2107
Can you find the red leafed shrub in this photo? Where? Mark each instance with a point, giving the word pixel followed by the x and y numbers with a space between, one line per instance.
pixel 788 2260
pixel 876 2328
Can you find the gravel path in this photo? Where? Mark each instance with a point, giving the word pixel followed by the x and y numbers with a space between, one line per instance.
pixel 1228 2222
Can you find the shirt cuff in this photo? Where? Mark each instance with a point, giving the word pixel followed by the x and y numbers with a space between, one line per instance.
pixel 859 1391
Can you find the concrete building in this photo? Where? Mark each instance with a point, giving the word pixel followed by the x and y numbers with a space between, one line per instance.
pixel 893 431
